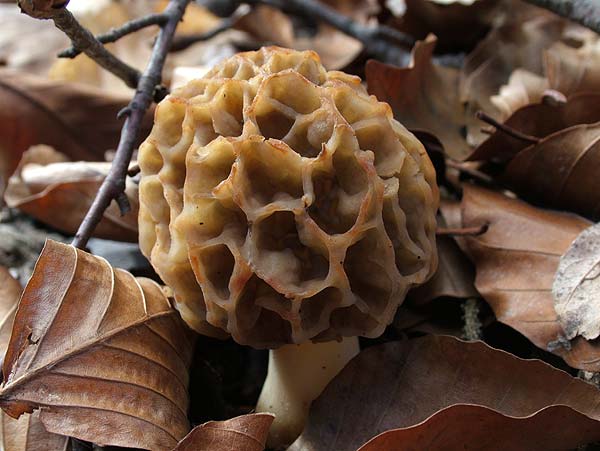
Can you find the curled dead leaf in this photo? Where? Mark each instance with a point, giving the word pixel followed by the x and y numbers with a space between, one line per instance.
pixel 243 433
pixel 45 184
pixel 576 286
pixel 422 96
pixel 560 171
pixel 515 260
pixel 102 354
pixel 401 384
pixel 484 429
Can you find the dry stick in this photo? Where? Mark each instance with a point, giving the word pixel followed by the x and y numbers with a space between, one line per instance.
pixel 87 43
pixel 114 34
pixel 113 185
pixel 506 129
pixel 585 12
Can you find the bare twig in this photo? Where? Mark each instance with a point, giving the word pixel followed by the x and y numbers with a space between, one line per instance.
pixel 85 41
pixel 585 12
pixel 114 183
pixel 462 231
pixel 114 34
pixel 183 42
pixel 506 129
pixel 381 42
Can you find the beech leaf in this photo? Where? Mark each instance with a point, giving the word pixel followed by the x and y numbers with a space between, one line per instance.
pixel 243 433
pixel 102 354
pixel 515 260
pixel 423 96
pixel 401 384
pixel 576 286
pixel 484 429
pixel 561 171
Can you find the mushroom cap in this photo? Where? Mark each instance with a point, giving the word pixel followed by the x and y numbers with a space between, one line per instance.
pixel 282 203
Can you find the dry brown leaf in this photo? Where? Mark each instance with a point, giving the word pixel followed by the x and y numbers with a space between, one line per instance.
pixel 400 384
pixel 243 433
pixel 26 433
pixel 102 354
pixel 538 120
pixel 79 121
pixel 423 96
pixel 576 286
pixel 516 260
pixel 561 171
pixel 453 428
pixel 45 184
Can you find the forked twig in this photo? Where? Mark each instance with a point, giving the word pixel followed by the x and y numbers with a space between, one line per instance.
pixel 115 34
pixel 114 184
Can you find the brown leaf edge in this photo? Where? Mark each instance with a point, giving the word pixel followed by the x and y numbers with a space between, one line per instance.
pixel 243 433
pixel 466 426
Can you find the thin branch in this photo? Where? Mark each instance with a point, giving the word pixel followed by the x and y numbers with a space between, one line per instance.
pixel 183 42
pixel 114 34
pixel 584 12
pixel 506 129
pixel 88 44
pixel 381 42
pixel 114 183
pixel 462 231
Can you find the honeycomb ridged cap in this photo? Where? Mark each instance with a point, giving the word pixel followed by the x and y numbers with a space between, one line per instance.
pixel 282 203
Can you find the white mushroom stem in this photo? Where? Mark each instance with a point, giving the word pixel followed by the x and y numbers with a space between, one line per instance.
pixel 297 375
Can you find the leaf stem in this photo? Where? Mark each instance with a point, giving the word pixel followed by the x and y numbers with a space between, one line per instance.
pixel 506 129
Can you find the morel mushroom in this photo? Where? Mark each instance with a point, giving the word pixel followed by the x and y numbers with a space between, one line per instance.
pixel 284 205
